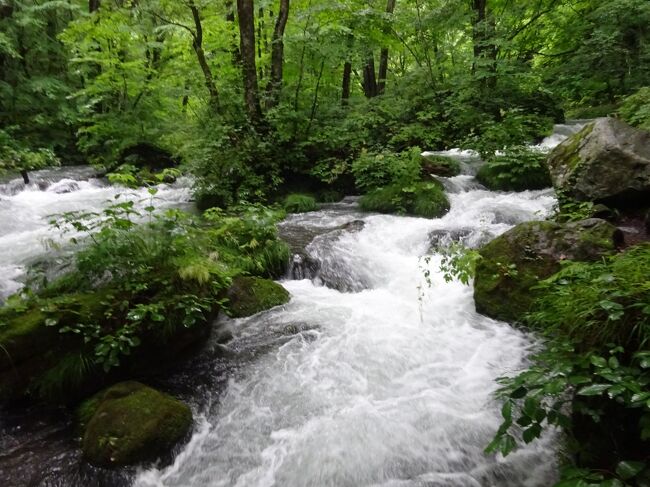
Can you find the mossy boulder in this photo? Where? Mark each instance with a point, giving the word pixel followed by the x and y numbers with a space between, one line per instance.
pixel 607 162
pixel 130 423
pixel 437 165
pixel 513 263
pixel 427 200
pixel 250 295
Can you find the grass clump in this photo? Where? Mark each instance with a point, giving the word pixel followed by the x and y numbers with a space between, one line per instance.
pixel 427 200
pixel 517 169
pixel 300 203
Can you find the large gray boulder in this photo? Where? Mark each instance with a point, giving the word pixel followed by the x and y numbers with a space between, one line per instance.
pixel 608 161
pixel 512 264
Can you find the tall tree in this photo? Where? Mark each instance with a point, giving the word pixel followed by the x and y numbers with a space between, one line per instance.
pixel 383 57
pixel 277 54
pixel 246 14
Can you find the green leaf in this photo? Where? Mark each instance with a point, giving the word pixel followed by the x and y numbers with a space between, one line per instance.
pixel 628 470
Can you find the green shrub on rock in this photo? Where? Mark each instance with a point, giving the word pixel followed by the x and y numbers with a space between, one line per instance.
pixel 377 170
pixel 427 200
pixel 250 295
pixel 517 169
pixel 300 203
pixel 130 423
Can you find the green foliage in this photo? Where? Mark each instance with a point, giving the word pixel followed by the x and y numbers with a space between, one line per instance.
pixel 599 303
pixel 635 109
pixel 441 165
pixel 372 171
pixel 427 200
pixel 509 133
pixel 459 262
pixel 300 203
pixel 14 158
pixel 517 169
pixel 593 372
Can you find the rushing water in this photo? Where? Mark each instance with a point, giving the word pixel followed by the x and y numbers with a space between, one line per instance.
pixel 25 213
pixel 368 377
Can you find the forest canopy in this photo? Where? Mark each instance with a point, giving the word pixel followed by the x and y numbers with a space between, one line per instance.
pixel 257 95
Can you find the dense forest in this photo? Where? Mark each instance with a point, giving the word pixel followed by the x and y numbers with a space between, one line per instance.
pixel 276 107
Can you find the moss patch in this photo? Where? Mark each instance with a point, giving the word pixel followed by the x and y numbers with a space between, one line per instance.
pixel 130 423
pixel 250 295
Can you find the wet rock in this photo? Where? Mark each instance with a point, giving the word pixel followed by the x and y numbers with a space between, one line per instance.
pixel 250 295
pixel 607 162
pixel 130 423
pixel 512 264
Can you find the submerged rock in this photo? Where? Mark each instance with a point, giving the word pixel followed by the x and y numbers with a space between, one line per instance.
pixel 130 423
pixel 512 264
pixel 250 295
pixel 608 161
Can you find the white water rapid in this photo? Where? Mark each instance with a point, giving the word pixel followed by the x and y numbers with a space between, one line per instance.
pixel 388 384
pixel 25 213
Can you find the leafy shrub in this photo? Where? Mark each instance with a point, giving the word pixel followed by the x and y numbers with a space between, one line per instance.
pixel 420 199
pixel 376 170
pixel 592 378
pixel 515 128
pixel 517 169
pixel 300 203
pixel 13 157
pixel 636 109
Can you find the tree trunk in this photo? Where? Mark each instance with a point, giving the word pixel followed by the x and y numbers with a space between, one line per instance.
pixel 347 78
pixel 383 57
pixel 197 45
pixel 93 5
pixel 234 48
pixel 246 14
pixel 277 54
pixel 369 79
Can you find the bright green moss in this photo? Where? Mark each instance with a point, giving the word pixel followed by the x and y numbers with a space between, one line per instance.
pixel 250 295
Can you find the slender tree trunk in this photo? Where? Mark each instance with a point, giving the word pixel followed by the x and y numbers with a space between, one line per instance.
pixel 197 45
pixel 383 56
pixel 347 79
pixel 246 14
pixel 260 33
pixel 369 78
pixel 93 5
pixel 277 54
pixel 234 48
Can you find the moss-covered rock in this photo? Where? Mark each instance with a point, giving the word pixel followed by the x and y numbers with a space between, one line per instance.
pixel 512 264
pixel 608 161
pixel 250 295
pixel 427 200
pixel 130 423
pixel 437 165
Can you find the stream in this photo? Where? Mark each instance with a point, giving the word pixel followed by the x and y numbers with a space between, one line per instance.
pixel 370 376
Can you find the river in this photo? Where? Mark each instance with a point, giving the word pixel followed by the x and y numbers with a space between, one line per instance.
pixel 368 377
